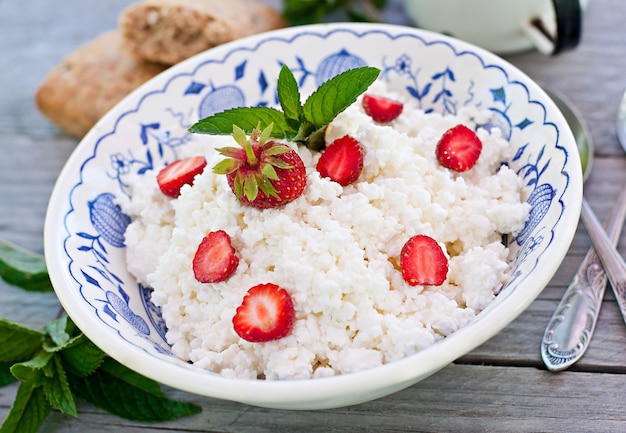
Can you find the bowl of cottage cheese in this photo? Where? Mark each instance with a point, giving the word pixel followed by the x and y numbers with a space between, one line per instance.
pixel 120 253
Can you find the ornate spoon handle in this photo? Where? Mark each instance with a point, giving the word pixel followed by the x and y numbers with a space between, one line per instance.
pixel 569 331
pixel 611 259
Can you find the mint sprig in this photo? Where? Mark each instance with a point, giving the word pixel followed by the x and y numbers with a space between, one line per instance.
pixel 59 364
pixel 29 411
pixel 299 12
pixel 22 268
pixel 301 123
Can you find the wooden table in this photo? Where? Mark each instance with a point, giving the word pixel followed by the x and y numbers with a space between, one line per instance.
pixel 501 386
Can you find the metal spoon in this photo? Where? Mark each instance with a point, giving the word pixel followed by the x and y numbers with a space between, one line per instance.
pixel 571 327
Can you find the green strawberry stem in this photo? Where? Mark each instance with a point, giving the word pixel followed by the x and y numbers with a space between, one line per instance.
pixel 315 140
pixel 252 159
pixel 246 144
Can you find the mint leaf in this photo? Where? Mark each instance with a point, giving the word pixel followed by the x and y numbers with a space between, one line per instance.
pixel 30 409
pixel 62 334
pixel 337 94
pixel 24 269
pixel 126 394
pixel 17 342
pixel 57 331
pixel 57 389
pixel 5 374
pixel 289 97
pixel 83 357
pixel 117 370
pixel 247 118
pixel 34 370
pixel 299 12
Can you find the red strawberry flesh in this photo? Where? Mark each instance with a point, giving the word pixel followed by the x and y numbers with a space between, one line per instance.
pixel 381 109
pixel 423 262
pixel 266 313
pixel 342 161
pixel 179 173
pixel 458 148
pixel 215 258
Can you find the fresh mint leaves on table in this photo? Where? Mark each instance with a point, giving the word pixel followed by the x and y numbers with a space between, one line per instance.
pixel 299 12
pixel 305 123
pixel 58 364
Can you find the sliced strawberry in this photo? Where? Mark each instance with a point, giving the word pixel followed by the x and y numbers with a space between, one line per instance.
pixel 423 262
pixel 458 148
pixel 215 258
pixel 265 314
pixel 380 109
pixel 178 173
pixel 342 161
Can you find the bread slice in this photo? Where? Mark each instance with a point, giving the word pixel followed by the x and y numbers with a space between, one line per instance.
pixel 88 82
pixel 168 31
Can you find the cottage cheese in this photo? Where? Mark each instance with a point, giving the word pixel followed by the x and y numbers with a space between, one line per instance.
pixel 335 249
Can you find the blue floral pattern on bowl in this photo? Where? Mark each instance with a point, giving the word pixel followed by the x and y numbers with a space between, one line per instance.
pixel 150 128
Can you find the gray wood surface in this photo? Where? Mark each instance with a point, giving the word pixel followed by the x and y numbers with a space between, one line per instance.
pixel 501 386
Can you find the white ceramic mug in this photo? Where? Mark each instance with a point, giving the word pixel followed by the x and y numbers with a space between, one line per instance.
pixel 503 26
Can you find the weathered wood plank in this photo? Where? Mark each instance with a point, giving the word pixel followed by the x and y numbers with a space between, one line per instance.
pixel 457 398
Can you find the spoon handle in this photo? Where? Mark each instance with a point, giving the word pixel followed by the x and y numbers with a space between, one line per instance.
pixel 611 259
pixel 569 331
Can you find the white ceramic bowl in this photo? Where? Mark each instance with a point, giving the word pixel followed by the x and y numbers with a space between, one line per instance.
pixel 84 245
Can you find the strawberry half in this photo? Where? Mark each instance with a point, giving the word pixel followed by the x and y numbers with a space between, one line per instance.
pixel 215 258
pixel 380 109
pixel 458 148
pixel 266 314
pixel 423 262
pixel 342 160
pixel 262 173
pixel 178 173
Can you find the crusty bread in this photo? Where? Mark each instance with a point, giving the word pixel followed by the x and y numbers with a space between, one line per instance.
pixel 168 31
pixel 88 82
pixel 152 34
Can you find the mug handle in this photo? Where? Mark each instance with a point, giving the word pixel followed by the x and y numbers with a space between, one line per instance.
pixel 568 15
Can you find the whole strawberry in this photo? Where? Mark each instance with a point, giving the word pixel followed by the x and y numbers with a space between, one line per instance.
pixel 262 173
